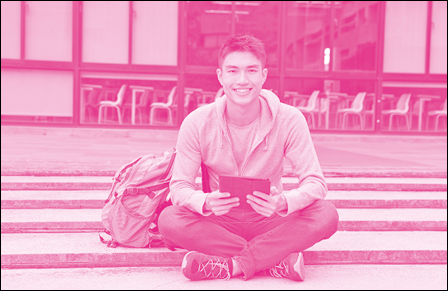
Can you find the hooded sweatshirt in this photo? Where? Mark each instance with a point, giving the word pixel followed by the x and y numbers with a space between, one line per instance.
pixel 283 132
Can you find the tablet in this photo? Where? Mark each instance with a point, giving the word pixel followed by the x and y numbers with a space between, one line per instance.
pixel 239 187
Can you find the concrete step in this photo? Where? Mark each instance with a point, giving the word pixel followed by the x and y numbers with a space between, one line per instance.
pixel 317 277
pixel 89 220
pixel 67 250
pixel 35 199
pixel 335 183
pixel 109 168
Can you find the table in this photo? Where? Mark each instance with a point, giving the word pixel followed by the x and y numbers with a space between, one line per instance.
pixel 335 96
pixel 295 97
pixel 135 89
pixel 422 99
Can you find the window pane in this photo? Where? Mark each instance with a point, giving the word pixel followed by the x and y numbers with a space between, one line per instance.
pixel 209 24
pixel 356 34
pixel 10 29
pixel 307 35
pixel 151 44
pixel 208 87
pixel 142 90
pixel 260 18
pixel 48 31
pixel 438 54
pixel 335 99
pixel 105 32
pixel 405 37
pixel 43 94
pixel 405 111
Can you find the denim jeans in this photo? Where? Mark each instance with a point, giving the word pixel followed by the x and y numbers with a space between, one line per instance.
pixel 256 242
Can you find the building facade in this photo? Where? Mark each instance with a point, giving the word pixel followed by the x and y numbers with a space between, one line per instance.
pixel 367 66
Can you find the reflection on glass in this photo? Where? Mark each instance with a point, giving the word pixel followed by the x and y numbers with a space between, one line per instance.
pixel 209 24
pixel 128 99
pixel 307 34
pixel 200 90
pixel 355 35
pixel 333 104
pixel 413 107
pixel 260 18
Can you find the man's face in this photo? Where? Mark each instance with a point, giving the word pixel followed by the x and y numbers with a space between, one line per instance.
pixel 242 77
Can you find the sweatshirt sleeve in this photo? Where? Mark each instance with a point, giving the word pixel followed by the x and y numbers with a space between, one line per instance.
pixel 185 169
pixel 300 151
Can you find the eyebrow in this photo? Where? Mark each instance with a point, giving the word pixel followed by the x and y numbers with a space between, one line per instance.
pixel 231 67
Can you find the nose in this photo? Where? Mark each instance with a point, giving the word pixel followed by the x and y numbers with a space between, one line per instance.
pixel 242 79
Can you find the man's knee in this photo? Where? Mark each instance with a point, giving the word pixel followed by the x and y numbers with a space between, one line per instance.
pixel 330 216
pixel 324 213
pixel 171 218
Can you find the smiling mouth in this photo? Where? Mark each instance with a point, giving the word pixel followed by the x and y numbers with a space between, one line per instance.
pixel 242 90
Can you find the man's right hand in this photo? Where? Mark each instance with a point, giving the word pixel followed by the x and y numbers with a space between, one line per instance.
pixel 219 203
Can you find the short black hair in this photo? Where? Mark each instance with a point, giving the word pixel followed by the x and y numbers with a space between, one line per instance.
pixel 242 43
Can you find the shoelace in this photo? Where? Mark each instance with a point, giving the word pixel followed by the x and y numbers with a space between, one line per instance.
pixel 280 270
pixel 221 265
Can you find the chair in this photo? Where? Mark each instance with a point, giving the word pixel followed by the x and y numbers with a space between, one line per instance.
pixel 189 92
pixel 92 103
pixel 355 108
pixel 115 104
pixel 401 110
pixel 369 109
pixel 140 106
pixel 437 114
pixel 163 106
pixel 310 107
pixel 217 95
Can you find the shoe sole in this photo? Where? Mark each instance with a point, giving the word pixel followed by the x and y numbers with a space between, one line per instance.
pixel 299 268
pixel 185 262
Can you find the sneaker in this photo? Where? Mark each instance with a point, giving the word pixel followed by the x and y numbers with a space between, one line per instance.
pixel 292 267
pixel 198 266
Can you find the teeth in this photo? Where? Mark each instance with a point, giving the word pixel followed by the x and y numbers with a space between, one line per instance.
pixel 242 90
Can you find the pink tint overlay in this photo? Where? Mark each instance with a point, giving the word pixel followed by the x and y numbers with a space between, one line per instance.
pixel 109 82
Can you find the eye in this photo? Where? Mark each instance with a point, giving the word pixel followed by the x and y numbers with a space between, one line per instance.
pixel 252 71
pixel 231 71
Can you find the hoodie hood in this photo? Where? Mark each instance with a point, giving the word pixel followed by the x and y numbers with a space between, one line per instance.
pixel 270 105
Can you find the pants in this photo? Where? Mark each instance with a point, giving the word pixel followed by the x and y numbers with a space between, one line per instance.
pixel 256 242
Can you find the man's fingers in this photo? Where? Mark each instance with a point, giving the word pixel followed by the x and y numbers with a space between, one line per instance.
pixel 258 209
pixel 224 201
pixel 261 195
pixel 261 202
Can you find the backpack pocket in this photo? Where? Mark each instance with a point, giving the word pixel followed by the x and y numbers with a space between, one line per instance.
pixel 130 218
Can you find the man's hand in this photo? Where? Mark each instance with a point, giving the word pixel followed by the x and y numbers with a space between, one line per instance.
pixel 219 204
pixel 265 204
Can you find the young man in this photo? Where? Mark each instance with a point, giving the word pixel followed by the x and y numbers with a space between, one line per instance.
pixel 247 132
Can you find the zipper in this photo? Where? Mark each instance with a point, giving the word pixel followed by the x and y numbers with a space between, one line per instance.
pixel 233 156
pixel 248 156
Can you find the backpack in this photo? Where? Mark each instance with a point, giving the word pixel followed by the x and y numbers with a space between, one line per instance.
pixel 139 193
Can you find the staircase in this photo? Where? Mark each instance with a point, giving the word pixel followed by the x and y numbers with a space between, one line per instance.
pixel 51 223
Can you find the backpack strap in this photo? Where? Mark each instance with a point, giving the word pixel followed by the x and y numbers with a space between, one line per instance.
pixel 110 243
pixel 205 179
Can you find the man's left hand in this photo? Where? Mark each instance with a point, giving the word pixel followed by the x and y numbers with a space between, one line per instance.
pixel 266 204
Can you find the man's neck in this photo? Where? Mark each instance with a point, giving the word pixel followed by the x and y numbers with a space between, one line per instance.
pixel 243 115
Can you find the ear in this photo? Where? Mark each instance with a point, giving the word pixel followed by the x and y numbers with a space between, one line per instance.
pixel 219 74
pixel 264 73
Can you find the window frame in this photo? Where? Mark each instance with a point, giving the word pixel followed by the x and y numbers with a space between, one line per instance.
pixel 181 69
